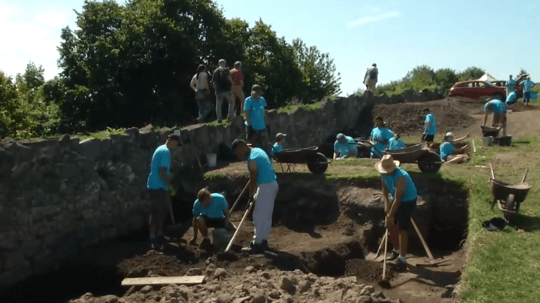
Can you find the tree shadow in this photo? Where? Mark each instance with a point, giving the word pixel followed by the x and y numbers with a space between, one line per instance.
pixel 431 278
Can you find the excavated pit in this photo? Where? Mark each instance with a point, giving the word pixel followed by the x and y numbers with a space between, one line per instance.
pixel 326 228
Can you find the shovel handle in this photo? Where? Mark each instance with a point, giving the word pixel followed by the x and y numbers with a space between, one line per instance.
pixel 240 196
pixel 492 172
pixel 525 175
pixel 422 239
pixel 385 252
pixel 238 229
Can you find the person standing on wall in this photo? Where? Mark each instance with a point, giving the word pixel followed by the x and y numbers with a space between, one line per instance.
pixel 430 127
pixel 263 189
pixel 200 83
pixel 158 184
pixel 257 132
pixel 238 84
pixel 510 85
pixel 527 88
pixel 223 85
pixel 371 77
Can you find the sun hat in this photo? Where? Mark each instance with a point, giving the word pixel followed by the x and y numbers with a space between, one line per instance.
pixel 387 164
pixel 280 135
pixel 341 138
pixel 450 134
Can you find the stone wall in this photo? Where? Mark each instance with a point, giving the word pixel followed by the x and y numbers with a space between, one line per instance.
pixel 59 196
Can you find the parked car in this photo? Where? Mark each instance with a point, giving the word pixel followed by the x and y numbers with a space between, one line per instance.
pixel 519 89
pixel 476 89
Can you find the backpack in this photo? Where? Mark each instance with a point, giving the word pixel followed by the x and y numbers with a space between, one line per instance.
pixel 373 74
pixel 221 79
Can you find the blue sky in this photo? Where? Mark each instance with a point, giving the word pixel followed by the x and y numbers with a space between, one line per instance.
pixel 498 36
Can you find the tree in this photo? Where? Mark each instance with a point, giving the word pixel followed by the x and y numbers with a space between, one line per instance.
pixel 471 73
pixel 8 105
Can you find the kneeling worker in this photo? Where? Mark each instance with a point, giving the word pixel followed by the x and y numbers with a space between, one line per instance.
pixel 498 109
pixel 399 184
pixel 451 154
pixel 278 146
pixel 209 210
pixel 345 147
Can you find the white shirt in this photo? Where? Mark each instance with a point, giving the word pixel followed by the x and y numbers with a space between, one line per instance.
pixel 201 83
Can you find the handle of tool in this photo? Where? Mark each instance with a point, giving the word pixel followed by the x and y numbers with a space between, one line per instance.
pixel 385 252
pixel 492 172
pixel 240 196
pixel 238 229
pixel 422 239
pixel 474 146
pixel 382 242
pixel 525 175
pixel 170 210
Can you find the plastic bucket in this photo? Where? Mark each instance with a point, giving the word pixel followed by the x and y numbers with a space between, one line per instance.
pixel 505 141
pixel 211 159
pixel 487 141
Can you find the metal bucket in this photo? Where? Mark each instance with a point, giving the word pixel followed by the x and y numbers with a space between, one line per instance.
pixel 487 141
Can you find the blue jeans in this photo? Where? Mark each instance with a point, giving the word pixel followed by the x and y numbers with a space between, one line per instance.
pixel 526 97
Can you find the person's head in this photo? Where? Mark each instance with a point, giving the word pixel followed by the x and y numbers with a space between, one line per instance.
pixel 201 68
pixel 396 136
pixel 449 137
pixel 256 91
pixel 174 140
pixel 204 196
pixel 341 139
pixel 510 76
pixel 374 65
pixel 222 63
pixel 280 138
pixel 528 78
pixel 238 65
pixel 489 107
pixel 379 121
pixel 240 147
pixel 426 110
pixel 387 165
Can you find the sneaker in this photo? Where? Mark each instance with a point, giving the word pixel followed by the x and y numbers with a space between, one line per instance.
pixel 156 244
pixel 205 243
pixel 393 256
pixel 400 263
pixel 254 249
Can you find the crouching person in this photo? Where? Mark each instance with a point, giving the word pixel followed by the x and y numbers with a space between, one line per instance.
pixel 278 146
pixel 209 210
pixel 450 153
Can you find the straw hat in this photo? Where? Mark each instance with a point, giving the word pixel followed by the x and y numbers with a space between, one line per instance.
pixel 387 164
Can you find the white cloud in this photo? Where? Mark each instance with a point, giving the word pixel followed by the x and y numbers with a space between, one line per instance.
pixel 373 9
pixel 52 19
pixel 371 19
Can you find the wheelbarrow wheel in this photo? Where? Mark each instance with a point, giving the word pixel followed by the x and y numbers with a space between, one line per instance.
pixel 429 162
pixel 511 203
pixel 317 163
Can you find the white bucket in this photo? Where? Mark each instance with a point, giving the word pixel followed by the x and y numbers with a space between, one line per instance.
pixel 487 141
pixel 211 158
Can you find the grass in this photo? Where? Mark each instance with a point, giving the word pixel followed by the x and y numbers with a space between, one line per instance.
pixel 289 109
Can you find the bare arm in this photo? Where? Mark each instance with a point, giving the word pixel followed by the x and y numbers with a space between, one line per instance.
pixel 462 138
pixel 485 118
pixel 192 85
pixel 427 126
pixel 227 214
pixel 400 190
pixel 351 155
pixel 253 179
pixel 385 194
pixel 335 155
pixel 163 174
pixel 248 118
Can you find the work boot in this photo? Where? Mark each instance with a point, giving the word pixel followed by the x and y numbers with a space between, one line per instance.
pixel 156 243
pixel 393 256
pixel 265 245
pixel 254 249
pixel 400 263
pixel 205 244
pixel 163 238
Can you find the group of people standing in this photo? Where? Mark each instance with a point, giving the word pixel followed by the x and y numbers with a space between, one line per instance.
pixel 511 96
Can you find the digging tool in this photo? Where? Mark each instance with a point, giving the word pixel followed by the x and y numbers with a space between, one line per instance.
pixel 422 239
pixel 474 146
pixel 384 283
pixel 174 227
pixel 240 196
pixel 238 229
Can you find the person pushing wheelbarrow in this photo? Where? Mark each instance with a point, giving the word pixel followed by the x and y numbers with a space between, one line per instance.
pixel 399 184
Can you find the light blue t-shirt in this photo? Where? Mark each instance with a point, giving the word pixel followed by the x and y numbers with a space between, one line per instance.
pixel 498 106
pixel 410 193
pixel 511 99
pixel 394 144
pixel 527 85
pixel 161 158
pixel 214 209
pixel 347 148
pixel 432 130
pixel 276 148
pixel 510 84
pixel 382 133
pixel 265 170
pixel 446 149
pixel 256 107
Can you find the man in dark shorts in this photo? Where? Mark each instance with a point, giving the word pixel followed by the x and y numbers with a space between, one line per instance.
pixel 430 127
pixel 158 184
pixel 399 184
pixel 209 210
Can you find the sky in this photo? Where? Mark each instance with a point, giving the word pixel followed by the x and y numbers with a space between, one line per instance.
pixel 500 37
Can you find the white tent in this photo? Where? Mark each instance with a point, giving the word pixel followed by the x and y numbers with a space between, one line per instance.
pixel 487 77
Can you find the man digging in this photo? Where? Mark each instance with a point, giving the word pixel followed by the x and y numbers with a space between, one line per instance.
pixel 159 182
pixel 263 189
pixel 399 184
pixel 209 210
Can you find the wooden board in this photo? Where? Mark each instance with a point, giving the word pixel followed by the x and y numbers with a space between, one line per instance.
pixel 184 280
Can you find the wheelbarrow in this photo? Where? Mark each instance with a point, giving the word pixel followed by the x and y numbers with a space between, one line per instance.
pixel 489 131
pixel 509 197
pixel 428 161
pixel 316 162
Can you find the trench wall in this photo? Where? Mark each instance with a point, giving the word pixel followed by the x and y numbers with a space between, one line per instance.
pixel 59 196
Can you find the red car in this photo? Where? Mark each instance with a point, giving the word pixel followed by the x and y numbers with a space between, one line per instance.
pixel 476 89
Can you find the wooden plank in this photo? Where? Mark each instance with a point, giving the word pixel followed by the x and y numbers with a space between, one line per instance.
pixel 183 280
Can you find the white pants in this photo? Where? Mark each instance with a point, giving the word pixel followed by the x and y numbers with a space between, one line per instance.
pixel 262 214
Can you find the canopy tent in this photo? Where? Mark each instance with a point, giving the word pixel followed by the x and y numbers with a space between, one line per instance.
pixel 487 77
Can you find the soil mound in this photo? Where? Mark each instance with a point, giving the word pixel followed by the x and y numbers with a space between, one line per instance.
pixel 408 118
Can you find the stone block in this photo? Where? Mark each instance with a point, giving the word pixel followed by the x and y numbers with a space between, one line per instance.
pixel 8 221
pixel 67 171
pixel 30 247
pixel 90 148
pixel 9 239
pixel 110 233
pixel 40 213
pixel 45 262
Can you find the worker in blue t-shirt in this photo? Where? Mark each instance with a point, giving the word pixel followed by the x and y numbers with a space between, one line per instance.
pixel 257 131
pixel 395 143
pixel 498 109
pixel 209 210
pixel 527 88
pixel 451 154
pixel 510 85
pixel 278 146
pixel 380 136
pixel 430 126
pixel 511 98
pixel 344 147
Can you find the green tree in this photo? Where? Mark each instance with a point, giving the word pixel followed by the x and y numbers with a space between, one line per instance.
pixel 8 105
pixel 445 78
pixel 471 73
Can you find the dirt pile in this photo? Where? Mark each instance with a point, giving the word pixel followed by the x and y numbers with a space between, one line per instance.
pixel 408 118
pixel 252 284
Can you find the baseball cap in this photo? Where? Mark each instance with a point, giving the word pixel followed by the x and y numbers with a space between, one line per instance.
pixel 256 88
pixel 280 135
pixel 341 138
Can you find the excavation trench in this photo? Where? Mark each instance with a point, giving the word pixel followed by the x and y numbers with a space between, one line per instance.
pixel 326 228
